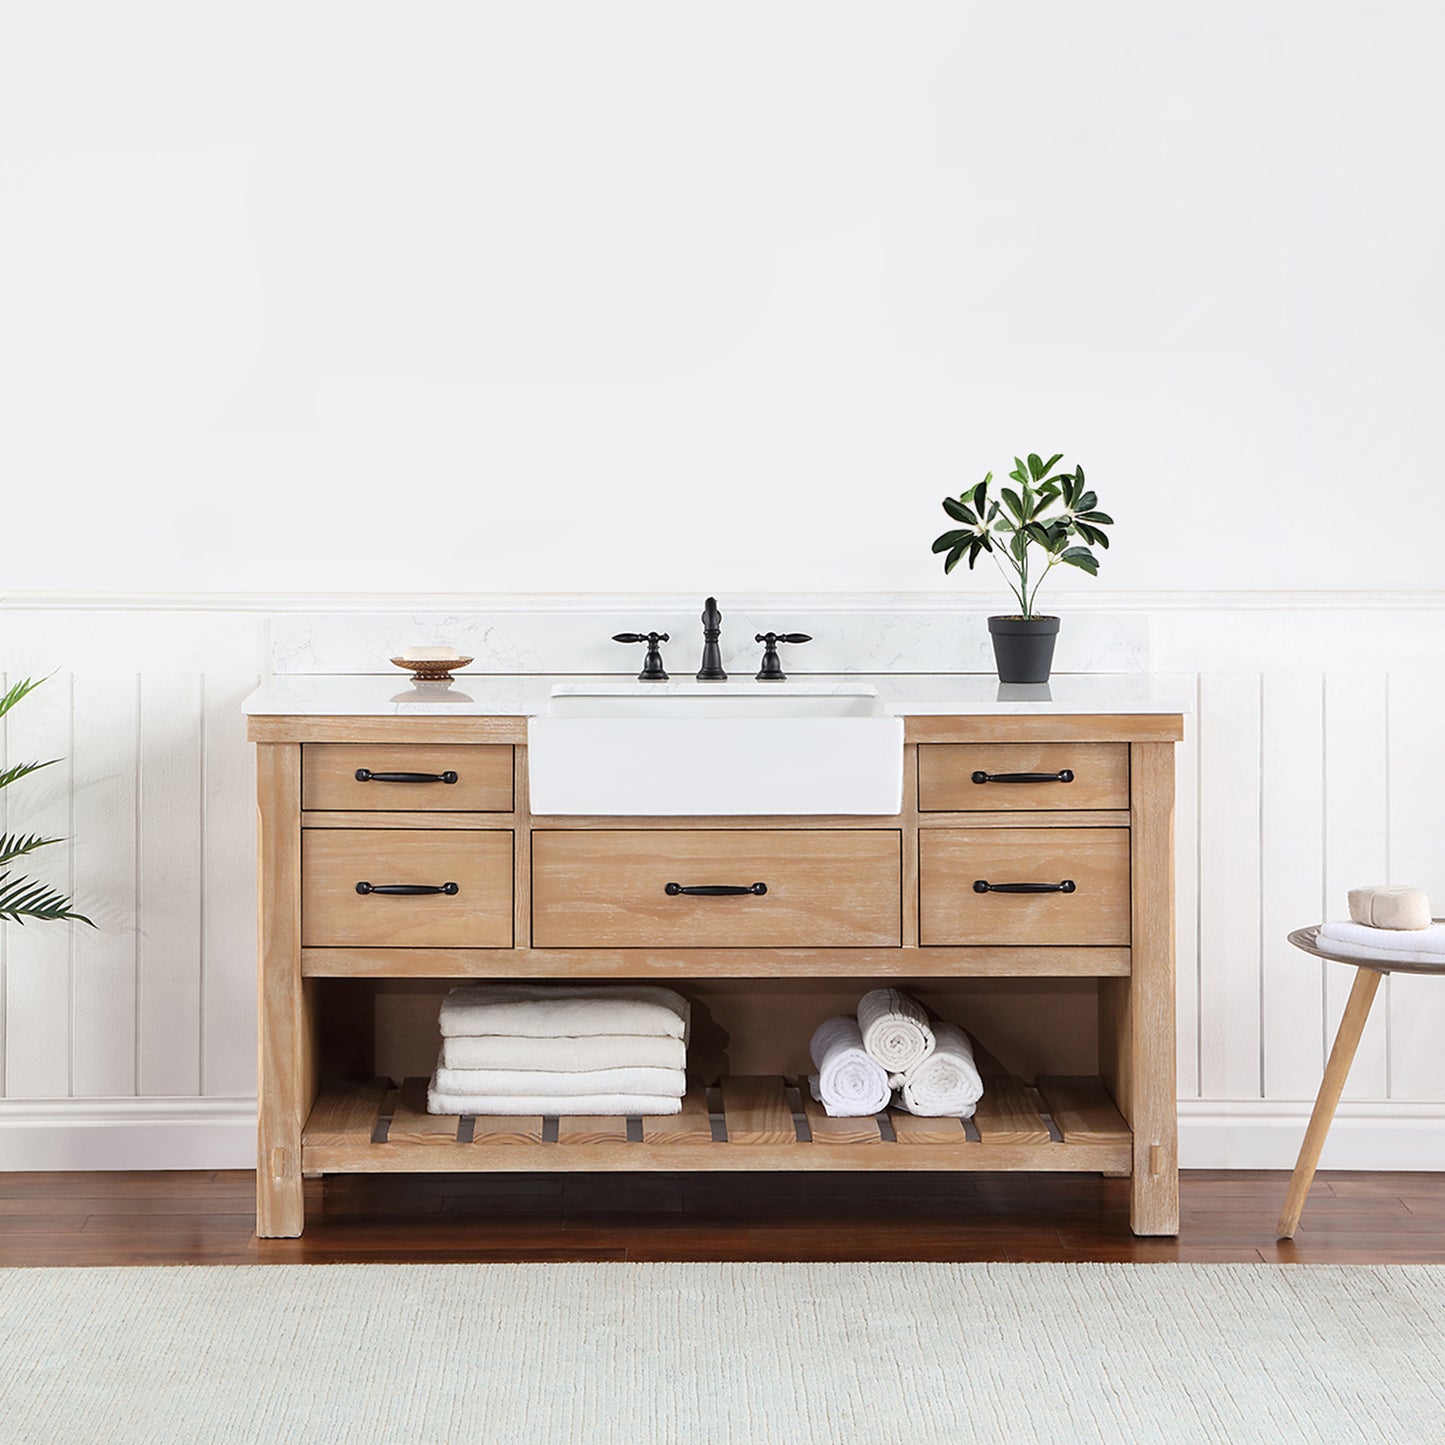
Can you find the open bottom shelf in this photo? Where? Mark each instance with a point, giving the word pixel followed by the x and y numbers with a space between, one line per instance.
pixel 760 1122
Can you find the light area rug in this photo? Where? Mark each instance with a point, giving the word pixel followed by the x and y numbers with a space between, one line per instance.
pixel 755 1353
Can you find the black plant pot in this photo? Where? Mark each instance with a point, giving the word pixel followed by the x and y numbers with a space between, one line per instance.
pixel 1023 647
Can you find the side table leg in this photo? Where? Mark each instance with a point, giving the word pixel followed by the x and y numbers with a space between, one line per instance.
pixel 1342 1055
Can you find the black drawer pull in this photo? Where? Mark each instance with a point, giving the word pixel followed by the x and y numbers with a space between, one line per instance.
pixel 408 890
pixel 365 775
pixel 1064 775
pixel 982 885
pixel 716 890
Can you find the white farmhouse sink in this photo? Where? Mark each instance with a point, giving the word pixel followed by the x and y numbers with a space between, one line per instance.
pixel 695 749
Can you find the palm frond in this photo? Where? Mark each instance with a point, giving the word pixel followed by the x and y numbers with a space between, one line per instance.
pixel 17 845
pixel 17 690
pixel 23 770
pixel 22 898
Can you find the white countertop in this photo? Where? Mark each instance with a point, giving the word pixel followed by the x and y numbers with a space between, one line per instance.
pixel 527 695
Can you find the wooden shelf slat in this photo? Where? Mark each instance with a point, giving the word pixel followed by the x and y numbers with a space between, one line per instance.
pixel 1083 1110
pixel 924 1129
pixel 591 1129
pixel 692 1126
pixel 1006 1113
pixel 507 1129
pixel 346 1113
pixel 828 1130
pixel 755 1110
pixel 411 1124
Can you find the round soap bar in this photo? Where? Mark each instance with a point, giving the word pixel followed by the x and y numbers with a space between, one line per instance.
pixel 429 654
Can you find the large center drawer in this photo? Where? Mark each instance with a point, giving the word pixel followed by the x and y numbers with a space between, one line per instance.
pixel 826 888
pixel 395 777
pixel 475 913
pixel 1021 777
pixel 1092 911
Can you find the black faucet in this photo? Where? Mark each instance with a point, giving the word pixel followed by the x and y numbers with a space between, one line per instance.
pixel 712 668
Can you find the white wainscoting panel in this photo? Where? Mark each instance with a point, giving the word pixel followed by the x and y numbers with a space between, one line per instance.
pixel 1313 763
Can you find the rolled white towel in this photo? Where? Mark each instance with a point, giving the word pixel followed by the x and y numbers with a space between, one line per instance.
pixel 1385 945
pixel 553 1105
pixel 895 1029
pixel 564 1055
pixel 559 1010
pixel 531 1081
pixel 947 1083
pixel 1390 906
pixel 848 1083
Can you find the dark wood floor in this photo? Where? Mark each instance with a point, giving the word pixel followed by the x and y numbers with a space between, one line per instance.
pixel 207 1218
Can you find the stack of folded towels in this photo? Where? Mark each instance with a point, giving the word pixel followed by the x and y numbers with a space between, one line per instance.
pixel 893 1045
pixel 1387 925
pixel 561 1049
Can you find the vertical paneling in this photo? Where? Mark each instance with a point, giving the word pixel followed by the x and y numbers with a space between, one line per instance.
pixel 37 955
pixel 1417 858
pixel 1356 845
pixel 168 904
pixel 1292 880
pixel 104 764
pixel 1229 911
pixel 228 975
pixel 1186 863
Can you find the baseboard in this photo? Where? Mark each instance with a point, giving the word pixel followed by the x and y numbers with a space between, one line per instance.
pixel 156 1133
pixel 169 1133
pixel 1266 1134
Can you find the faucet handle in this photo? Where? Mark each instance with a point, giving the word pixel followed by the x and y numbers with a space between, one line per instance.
pixel 652 668
pixel 772 669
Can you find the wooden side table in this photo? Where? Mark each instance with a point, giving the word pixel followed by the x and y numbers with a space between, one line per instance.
pixel 1368 973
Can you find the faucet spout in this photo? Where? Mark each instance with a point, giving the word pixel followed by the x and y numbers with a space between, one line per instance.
pixel 712 668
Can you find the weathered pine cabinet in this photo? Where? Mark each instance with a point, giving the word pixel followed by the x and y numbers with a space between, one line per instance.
pixel 1070 992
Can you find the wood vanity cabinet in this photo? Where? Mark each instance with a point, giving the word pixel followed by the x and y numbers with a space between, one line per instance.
pixel 1070 991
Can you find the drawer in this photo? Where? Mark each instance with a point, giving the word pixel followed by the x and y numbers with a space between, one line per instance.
pixel 826 888
pixel 951 776
pixel 335 915
pixel 952 911
pixel 482 773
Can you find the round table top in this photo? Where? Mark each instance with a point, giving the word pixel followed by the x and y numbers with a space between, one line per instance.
pixel 1308 940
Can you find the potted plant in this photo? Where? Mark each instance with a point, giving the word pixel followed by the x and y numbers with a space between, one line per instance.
pixel 22 898
pixel 1029 529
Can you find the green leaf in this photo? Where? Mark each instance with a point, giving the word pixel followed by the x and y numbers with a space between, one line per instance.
pixel 1071 488
pixel 1083 559
pixel 23 770
pixel 1103 518
pixel 22 898
pixel 951 561
pixel 1015 502
pixel 20 689
pixel 980 493
pixel 17 845
pixel 1036 466
pixel 958 511
pixel 1052 462
pixel 950 539
pixel 1086 503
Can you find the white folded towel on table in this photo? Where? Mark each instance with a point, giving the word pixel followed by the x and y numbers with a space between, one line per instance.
pixel 895 1029
pixel 947 1083
pixel 1390 906
pixel 1385 945
pixel 564 1055
pixel 848 1083
pixel 551 1104
pixel 533 1082
pixel 553 1010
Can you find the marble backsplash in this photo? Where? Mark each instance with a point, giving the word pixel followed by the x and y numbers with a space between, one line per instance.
pixel 850 634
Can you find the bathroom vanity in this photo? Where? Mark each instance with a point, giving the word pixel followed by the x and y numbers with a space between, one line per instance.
pixel 1067 981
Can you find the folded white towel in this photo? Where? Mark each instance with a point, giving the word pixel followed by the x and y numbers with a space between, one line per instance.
pixel 554 1105
pixel 1386 945
pixel 1390 906
pixel 561 1010
pixel 895 1029
pixel 531 1081
pixel 848 1083
pixel 564 1055
pixel 947 1083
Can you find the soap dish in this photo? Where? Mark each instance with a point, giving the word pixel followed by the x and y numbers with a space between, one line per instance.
pixel 431 669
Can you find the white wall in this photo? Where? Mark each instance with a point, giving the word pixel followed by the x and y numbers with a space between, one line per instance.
pixel 658 296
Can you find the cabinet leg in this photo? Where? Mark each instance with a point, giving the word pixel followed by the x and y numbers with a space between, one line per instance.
pixel 1342 1055
pixel 1154 1191
pixel 280 1193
